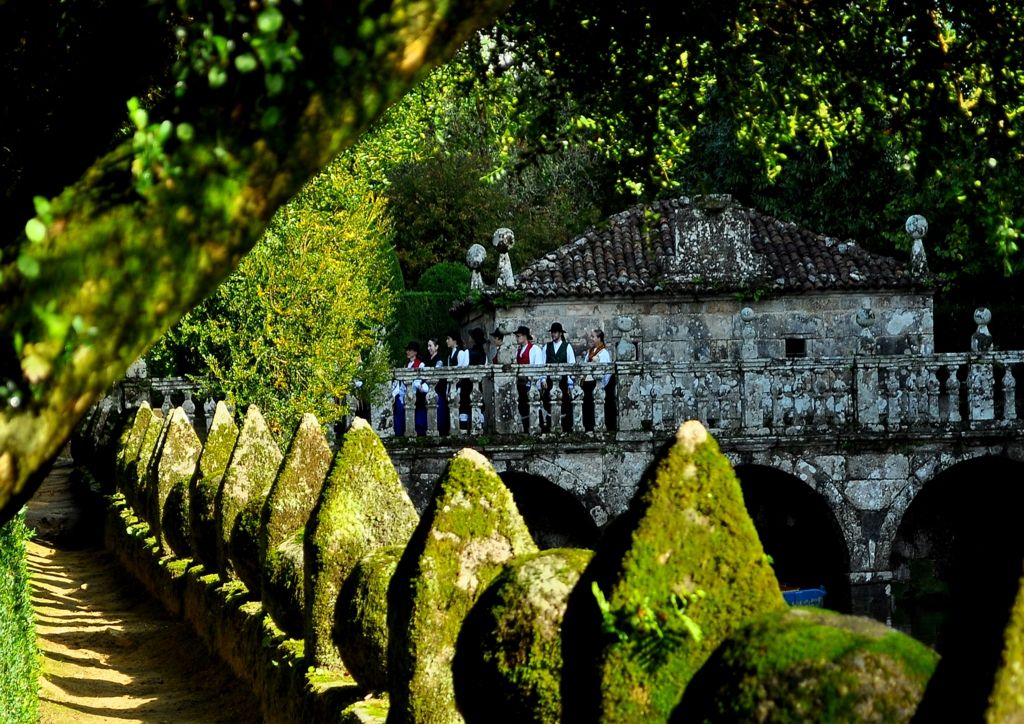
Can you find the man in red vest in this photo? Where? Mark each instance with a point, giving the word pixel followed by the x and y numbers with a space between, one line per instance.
pixel 527 353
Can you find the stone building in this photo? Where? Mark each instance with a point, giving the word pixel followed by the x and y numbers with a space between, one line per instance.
pixel 708 280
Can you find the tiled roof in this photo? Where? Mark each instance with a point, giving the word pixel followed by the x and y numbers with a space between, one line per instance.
pixel 711 245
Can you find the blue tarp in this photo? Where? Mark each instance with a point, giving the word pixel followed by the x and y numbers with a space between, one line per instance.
pixel 805 597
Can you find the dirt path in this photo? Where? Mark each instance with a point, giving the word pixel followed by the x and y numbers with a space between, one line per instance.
pixel 112 654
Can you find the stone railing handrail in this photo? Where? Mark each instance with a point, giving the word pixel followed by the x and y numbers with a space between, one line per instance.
pixel 750 397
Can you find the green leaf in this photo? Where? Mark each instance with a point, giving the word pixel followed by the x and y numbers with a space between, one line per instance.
pixel 217 77
pixel 28 266
pixel 275 83
pixel 35 230
pixel 42 205
pixel 246 63
pixel 269 21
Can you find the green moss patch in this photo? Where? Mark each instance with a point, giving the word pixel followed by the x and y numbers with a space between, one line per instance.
pixel 205 484
pixel 675 575
pixel 1006 703
pixel 363 507
pixel 247 481
pixel 810 665
pixel 470 530
pixel 508 664
pixel 282 589
pixel 292 498
pixel 128 450
pixel 174 470
pixel 361 618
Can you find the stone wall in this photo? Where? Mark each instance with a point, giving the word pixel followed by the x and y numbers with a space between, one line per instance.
pixel 680 330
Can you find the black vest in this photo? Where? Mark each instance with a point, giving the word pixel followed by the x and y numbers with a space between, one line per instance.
pixel 561 357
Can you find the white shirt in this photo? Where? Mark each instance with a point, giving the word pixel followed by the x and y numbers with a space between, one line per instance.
pixel 604 357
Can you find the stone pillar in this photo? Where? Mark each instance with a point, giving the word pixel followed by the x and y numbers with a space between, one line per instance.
pixel 865 320
pixel 474 260
pixel 871 594
pixel 625 350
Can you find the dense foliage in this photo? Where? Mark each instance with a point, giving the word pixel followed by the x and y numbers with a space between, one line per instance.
pixel 296 324
pixel 235 108
pixel 844 117
pixel 18 687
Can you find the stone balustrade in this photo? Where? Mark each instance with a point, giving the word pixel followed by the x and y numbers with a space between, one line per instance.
pixel 749 398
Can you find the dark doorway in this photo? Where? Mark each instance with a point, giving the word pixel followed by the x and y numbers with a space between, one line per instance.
pixel 556 518
pixel 799 531
pixel 957 556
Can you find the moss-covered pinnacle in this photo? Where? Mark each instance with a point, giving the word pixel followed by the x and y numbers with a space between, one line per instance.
pixel 810 665
pixel 1006 703
pixel 363 507
pixel 128 452
pixel 361 618
pixel 282 587
pixel 138 493
pixel 175 468
pixel 250 473
pixel 470 530
pixel 673 577
pixel 295 491
pixel 203 489
pixel 508 663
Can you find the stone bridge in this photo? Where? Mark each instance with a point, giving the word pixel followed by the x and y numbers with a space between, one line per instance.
pixel 853 468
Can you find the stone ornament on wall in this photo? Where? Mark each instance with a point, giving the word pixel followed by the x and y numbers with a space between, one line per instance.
pixel 981 340
pixel 917 227
pixel 474 260
pixel 503 240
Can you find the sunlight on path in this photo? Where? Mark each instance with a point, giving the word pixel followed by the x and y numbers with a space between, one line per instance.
pixel 112 654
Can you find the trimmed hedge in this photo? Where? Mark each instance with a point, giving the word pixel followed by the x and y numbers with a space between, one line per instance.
pixel 19 662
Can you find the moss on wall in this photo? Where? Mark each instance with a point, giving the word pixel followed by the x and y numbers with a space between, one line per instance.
pixel 129 451
pixel 469 531
pixel 674 576
pixel 362 507
pixel 205 485
pixel 282 589
pixel 174 470
pixel 810 665
pixel 247 481
pixel 20 671
pixel 140 486
pixel 1006 703
pixel 361 618
pixel 508 662
pixel 289 505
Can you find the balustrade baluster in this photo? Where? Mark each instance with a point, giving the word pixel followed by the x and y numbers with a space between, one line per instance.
pixel 477 413
pixel 1009 395
pixel 953 391
pixel 981 390
pixel 932 386
pixel 599 398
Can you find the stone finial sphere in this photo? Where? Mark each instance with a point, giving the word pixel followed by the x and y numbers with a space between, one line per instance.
pixel 746 314
pixel 917 226
pixel 982 315
pixel 503 240
pixel 865 317
pixel 624 324
pixel 475 256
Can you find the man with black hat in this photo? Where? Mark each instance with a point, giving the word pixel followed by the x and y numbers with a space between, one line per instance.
pixel 527 353
pixel 558 351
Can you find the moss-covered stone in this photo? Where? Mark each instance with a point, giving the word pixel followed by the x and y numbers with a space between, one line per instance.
pixel 367 711
pixel 128 452
pixel 205 485
pixel 363 507
pixel 675 575
pixel 282 592
pixel 469 531
pixel 138 493
pixel 237 509
pixel 291 500
pixel 361 618
pixel 508 664
pixel 176 466
pixel 810 665
pixel 1006 703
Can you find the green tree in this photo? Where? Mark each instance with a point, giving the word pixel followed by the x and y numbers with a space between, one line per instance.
pixel 295 324
pixel 258 98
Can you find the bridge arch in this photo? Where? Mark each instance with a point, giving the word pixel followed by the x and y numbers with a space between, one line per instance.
pixel 799 529
pixel 957 550
pixel 556 517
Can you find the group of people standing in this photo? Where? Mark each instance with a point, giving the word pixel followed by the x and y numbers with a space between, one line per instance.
pixel 557 351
